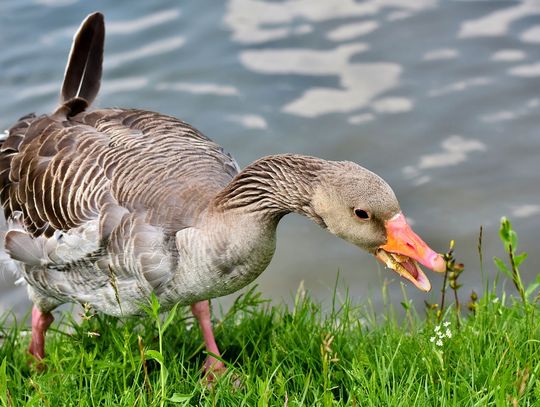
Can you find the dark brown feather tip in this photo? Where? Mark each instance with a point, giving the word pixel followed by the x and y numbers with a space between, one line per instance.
pixel 83 72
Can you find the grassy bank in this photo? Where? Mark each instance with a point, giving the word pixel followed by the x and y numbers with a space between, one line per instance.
pixel 299 356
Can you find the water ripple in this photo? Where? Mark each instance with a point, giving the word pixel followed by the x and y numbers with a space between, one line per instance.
pixel 361 118
pixel 199 88
pixel 440 54
pixel 525 211
pixel 351 31
pixel 301 61
pixel 526 71
pixel 455 150
pixel 508 55
pixel 148 50
pixel 124 85
pixel 30 92
pixel 143 23
pixel 460 86
pixel 498 22
pixel 255 22
pixel 249 121
pixel 55 3
pixel 392 105
pixel 360 84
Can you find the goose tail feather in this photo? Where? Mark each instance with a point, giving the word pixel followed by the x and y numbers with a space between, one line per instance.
pixel 82 77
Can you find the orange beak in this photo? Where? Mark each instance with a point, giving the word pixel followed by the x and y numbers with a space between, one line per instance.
pixel 404 248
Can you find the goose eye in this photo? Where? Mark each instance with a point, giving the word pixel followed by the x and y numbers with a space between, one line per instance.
pixel 362 214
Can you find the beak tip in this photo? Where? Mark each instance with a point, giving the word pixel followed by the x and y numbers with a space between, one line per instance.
pixel 438 264
pixel 424 286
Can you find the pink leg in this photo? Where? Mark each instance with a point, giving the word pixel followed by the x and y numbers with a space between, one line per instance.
pixel 40 323
pixel 201 311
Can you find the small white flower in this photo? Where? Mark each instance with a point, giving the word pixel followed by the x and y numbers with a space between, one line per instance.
pixel 437 328
pixel 438 343
pixel 432 339
pixel 448 333
pixel 446 324
pixel 440 335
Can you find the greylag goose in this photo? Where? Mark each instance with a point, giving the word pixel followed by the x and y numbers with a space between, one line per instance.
pixel 107 206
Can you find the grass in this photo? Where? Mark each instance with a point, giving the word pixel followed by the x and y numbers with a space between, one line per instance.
pixel 295 357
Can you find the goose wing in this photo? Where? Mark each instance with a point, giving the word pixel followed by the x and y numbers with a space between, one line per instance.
pixel 62 173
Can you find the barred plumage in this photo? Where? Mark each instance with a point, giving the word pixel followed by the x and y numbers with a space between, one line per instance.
pixel 108 206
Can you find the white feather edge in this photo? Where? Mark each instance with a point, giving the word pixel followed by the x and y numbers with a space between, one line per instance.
pixel 19 247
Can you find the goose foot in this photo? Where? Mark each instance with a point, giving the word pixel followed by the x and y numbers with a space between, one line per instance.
pixel 213 369
pixel 41 321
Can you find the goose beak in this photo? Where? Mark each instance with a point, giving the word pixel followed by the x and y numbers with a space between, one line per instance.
pixel 404 249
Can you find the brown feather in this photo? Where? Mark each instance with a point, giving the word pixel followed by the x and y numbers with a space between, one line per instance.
pixel 83 73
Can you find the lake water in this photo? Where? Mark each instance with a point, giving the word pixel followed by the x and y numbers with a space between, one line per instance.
pixel 441 99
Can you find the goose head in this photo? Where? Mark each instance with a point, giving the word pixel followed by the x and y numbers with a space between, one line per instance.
pixel 360 207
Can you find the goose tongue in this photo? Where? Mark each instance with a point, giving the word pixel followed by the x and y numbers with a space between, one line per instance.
pixel 404 248
pixel 411 268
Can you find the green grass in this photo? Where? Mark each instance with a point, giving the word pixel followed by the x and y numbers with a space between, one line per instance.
pixel 302 356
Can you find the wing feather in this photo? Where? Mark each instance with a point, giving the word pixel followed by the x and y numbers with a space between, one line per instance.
pixel 138 160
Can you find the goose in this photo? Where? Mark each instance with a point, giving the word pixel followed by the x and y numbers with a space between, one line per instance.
pixel 106 207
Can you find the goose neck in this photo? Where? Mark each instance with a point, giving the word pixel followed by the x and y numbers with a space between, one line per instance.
pixel 273 187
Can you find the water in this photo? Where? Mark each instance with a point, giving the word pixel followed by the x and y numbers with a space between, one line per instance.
pixel 440 99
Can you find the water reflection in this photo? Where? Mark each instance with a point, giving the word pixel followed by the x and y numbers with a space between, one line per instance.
pixel 359 83
pixel 497 23
pixel 526 211
pixel 527 71
pixel 139 24
pixel 199 88
pixel 152 49
pixel 455 150
pixel 460 86
pixel 508 55
pixel 258 21
pixel 128 84
pixel 438 54
pixel 249 121
pixel 351 31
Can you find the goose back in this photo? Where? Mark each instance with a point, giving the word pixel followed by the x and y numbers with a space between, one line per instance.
pixel 62 173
